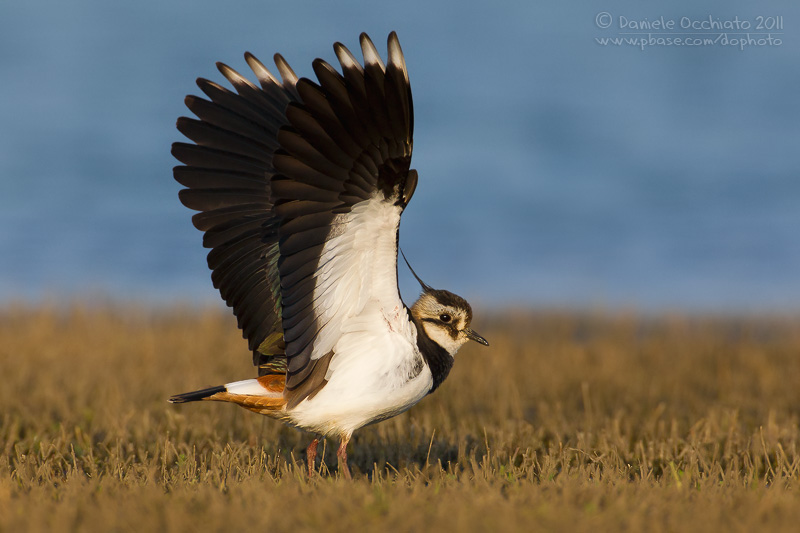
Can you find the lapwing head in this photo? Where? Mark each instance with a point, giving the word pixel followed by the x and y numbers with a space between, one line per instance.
pixel 444 316
pixel 446 319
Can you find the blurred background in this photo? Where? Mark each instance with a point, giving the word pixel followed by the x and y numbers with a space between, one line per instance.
pixel 556 169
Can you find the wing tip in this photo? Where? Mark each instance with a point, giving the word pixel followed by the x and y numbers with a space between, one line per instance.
pixel 287 74
pixel 395 53
pixel 371 55
pixel 265 77
pixel 346 58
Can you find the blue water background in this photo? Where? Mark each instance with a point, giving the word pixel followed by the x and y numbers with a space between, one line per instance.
pixel 554 171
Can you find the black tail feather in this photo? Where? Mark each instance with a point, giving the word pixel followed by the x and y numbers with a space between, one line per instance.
pixel 196 395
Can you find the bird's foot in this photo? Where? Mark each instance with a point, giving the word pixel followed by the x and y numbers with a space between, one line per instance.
pixel 341 455
pixel 311 455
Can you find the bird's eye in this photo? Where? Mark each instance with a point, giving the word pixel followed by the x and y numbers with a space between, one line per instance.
pixel 444 317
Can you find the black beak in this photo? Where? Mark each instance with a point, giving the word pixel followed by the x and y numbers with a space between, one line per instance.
pixel 475 337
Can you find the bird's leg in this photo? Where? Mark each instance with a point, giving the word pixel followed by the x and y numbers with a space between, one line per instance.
pixel 311 455
pixel 341 454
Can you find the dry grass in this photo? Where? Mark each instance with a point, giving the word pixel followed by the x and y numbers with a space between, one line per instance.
pixel 568 422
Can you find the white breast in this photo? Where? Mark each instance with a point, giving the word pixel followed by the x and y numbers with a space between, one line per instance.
pixel 376 373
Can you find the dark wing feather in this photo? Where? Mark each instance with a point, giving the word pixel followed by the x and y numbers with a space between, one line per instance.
pixel 274 171
pixel 349 139
pixel 227 172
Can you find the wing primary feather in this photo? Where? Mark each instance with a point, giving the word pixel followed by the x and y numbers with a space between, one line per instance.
pixel 223 234
pixel 396 56
pixel 335 114
pixel 278 168
pixel 206 134
pixel 235 103
pixel 371 55
pixel 206 157
pixel 303 191
pixel 346 58
pixel 250 258
pixel 208 178
pixel 287 74
pixel 308 125
pixel 249 91
pixel 290 209
pixel 231 251
pixel 303 173
pixel 229 120
pixel 245 284
pixel 210 199
pixel 300 148
pixel 265 77
pixel 207 220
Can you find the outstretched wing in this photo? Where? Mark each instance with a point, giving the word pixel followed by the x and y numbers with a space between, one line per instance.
pixel 300 186
pixel 342 181
pixel 227 174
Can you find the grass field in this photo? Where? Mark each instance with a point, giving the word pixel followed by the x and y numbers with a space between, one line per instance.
pixel 569 422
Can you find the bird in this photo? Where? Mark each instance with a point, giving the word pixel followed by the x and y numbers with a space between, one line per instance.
pixel 299 186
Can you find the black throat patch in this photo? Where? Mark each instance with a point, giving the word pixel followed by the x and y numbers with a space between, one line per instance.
pixel 439 361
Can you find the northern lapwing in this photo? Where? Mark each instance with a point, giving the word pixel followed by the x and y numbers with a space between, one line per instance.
pixel 300 186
